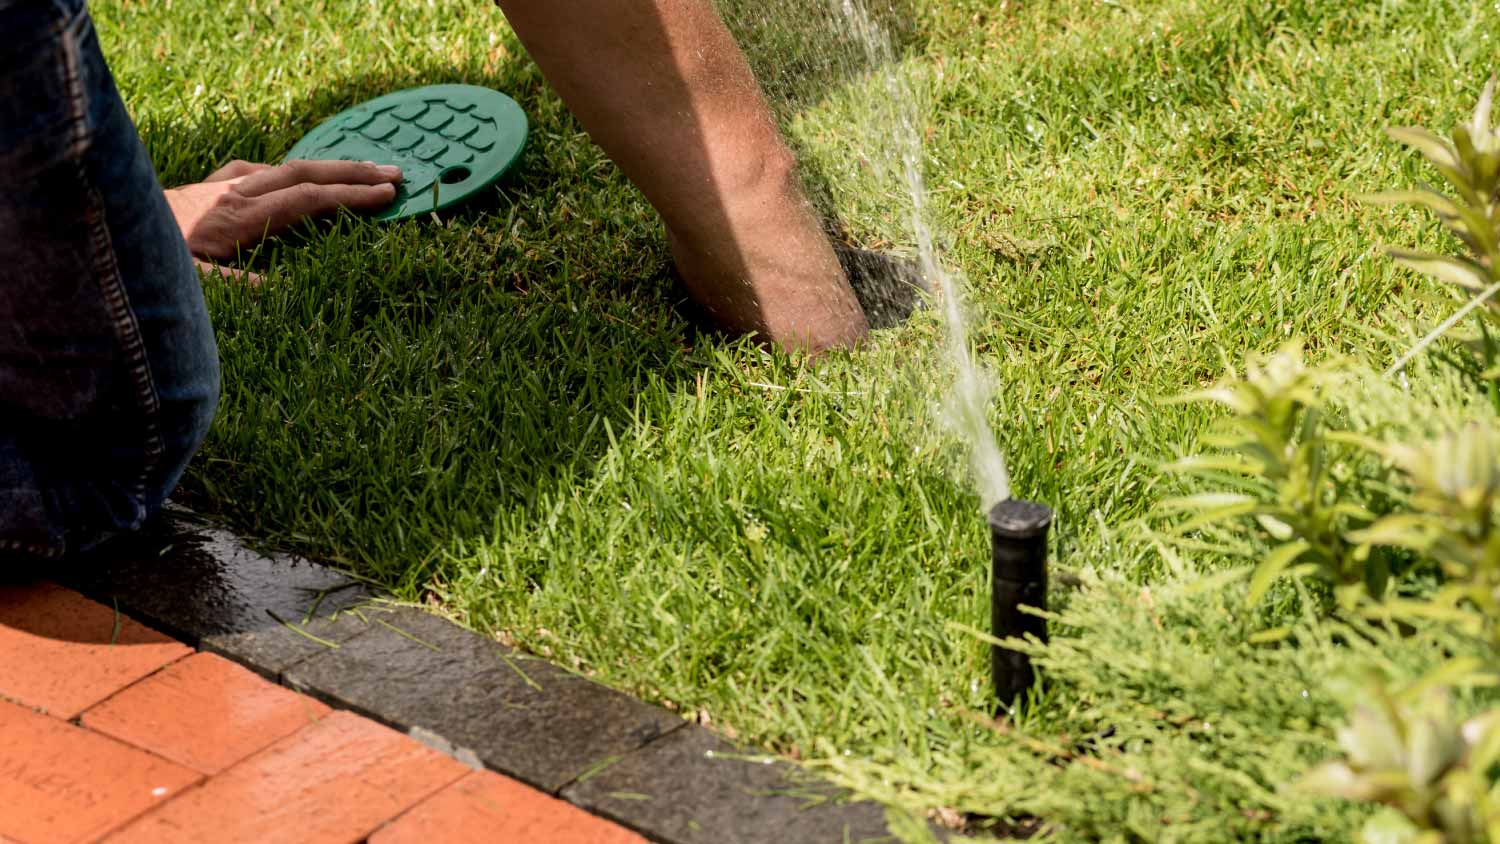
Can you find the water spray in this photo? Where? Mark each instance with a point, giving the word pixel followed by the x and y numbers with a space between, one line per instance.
pixel 1018 529
pixel 1018 572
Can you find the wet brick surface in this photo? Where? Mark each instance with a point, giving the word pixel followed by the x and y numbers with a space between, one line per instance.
pixel 520 715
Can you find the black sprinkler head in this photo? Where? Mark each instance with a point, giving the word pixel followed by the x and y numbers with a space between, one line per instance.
pixel 1018 572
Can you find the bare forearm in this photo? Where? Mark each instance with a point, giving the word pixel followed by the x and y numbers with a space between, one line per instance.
pixel 663 88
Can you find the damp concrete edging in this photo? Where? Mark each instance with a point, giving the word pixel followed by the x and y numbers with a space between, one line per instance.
pixel 323 633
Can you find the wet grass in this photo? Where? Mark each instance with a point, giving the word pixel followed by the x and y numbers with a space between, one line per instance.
pixel 504 411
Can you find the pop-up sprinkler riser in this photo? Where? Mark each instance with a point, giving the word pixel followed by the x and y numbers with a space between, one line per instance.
pixel 1018 572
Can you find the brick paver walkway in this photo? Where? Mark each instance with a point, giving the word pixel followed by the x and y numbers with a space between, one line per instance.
pixel 110 731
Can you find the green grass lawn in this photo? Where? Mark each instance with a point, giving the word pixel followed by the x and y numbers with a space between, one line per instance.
pixel 505 415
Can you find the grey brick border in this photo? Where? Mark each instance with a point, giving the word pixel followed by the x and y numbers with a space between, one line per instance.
pixel 316 630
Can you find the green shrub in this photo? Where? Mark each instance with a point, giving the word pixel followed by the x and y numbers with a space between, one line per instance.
pixel 1288 479
pixel 1470 163
pixel 1350 505
pixel 1414 755
pixel 1311 491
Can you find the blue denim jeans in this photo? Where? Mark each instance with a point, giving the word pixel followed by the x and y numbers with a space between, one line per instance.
pixel 108 371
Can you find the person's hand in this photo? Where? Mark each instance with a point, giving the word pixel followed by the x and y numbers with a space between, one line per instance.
pixel 241 203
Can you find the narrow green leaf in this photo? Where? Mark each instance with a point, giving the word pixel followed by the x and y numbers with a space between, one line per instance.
pixel 1269 636
pixel 1430 200
pixel 1279 530
pixel 1336 779
pixel 1459 671
pixel 1214 463
pixel 1226 396
pixel 1218 580
pixel 1217 515
pixel 399 632
pixel 1484 732
pixel 114 633
pixel 300 631
pixel 1272 567
pixel 1399 530
pixel 1406 609
pixel 1206 501
pixel 1463 144
pixel 1351 510
pixel 1486 165
pixel 1433 148
pixel 1468 223
pixel 1481 125
pixel 1464 273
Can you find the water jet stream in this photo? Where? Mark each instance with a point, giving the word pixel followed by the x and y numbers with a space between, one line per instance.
pixel 968 402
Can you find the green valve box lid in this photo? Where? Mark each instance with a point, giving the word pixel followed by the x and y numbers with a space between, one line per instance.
pixel 450 141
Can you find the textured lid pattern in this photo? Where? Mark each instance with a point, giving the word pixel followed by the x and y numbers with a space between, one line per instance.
pixel 450 141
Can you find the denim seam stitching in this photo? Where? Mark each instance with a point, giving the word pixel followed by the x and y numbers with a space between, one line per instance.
pixel 107 274
pixel 28 548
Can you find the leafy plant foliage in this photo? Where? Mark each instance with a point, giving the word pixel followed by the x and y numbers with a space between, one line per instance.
pixel 1355 509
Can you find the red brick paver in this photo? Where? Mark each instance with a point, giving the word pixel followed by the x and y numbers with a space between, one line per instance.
pixel 486 807
pixel 60 783
pixel 204 712
pixel 334 781
pixel 62 653
pixel 173 746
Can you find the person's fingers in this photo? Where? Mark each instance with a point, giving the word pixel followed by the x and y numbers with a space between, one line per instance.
pixel 235 169
pixel 317 173
pixel 283 208
pixel 241 276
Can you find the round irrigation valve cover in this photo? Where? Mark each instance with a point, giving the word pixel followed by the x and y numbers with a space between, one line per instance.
pixel 450 141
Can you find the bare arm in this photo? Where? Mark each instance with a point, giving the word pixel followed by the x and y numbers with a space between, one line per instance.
pixel 663 88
